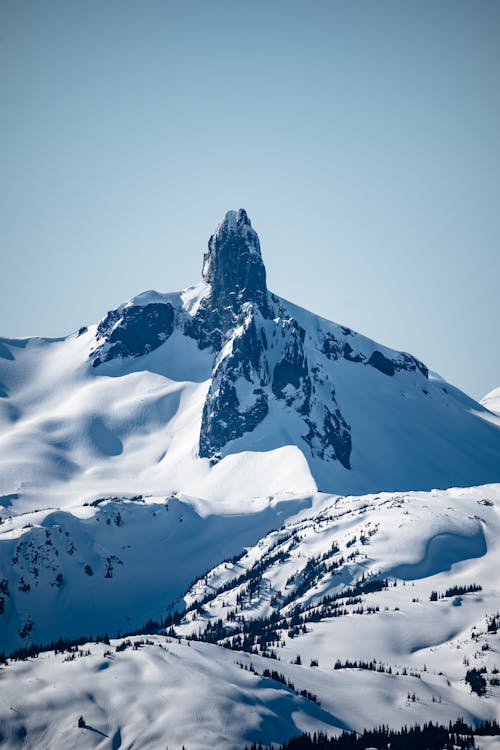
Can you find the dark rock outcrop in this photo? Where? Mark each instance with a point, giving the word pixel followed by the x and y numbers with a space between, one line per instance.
pixel 330 436
pixel 133 331
pixel 403 361
pixel 334 349
pixel 381 363
pixel 291 381
pixel 233 268
pixel 264 359
pixel 236 402
pixel 242 321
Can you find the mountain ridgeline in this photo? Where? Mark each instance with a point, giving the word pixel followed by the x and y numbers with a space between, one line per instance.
pixel 160 471
pixel 226 390
pixel 271 361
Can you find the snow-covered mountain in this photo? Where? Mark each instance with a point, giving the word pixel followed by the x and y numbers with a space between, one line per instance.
pixel 492 401
pixel 271 484
pixel 225 389
pixel 355 611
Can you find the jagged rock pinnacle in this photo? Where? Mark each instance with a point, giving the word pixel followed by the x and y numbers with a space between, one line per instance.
pixel 233 264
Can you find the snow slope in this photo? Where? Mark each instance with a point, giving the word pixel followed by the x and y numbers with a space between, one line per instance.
pixel 69 433
pixel 111 567
pixel 224 456
pixel 171 691
pixel 492 401
pixel 224 391
pixel 162 694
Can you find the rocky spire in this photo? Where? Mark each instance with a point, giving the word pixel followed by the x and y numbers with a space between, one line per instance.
pixel 233 265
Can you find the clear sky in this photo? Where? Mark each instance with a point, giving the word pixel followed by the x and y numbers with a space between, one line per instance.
pixel 361 137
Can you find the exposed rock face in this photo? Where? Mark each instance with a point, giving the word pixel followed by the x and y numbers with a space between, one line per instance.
pixel 244 385
pixel 301 387
pixel 241 319
pixel 291 381
pixel 133 331
pixel 333 348
pixel 237 400
pixel 233 268
pixel 264 359
pixel 233 265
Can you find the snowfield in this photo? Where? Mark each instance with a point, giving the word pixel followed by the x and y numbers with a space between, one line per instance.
pixel 169 691
pixel 70 433
pixel 281 525
pixel 113 566
pixel 492 401
pixel 163 694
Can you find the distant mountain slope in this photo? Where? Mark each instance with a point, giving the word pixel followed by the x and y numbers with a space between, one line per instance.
pixel 227 390
pixel 492 401
pixel 167 461
pixel 113 565
pixel 373 608
pixel 158 694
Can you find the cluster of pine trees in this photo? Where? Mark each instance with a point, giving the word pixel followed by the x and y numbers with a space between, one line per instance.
pixel 67 645
pixel 456 591
pixel 427 737
pixel 264 633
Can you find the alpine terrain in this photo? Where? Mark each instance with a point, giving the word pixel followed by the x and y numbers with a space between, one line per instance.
pixel 226 520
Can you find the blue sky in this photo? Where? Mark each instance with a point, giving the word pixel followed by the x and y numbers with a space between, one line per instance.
pixel 361 137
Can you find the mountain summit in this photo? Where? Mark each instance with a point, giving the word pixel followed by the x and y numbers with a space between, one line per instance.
pixel 226 389
pixel 263 360
pixel 163 466
pixel 233 264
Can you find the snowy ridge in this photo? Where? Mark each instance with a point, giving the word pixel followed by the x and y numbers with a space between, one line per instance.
pixel 368 592
pixel 176 392
pixel 133 557
pixel 275 484
pixel 492 401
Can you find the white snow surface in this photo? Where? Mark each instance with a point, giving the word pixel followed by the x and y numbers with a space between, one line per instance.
pixel 108 515
pixel 164 694
pixel 492 401
pixel 70 433
pixel 173 691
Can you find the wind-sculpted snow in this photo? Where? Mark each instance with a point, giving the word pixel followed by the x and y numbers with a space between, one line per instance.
pixel 105 440
pixel 169 466
pixel 441 552
pixel 492 401
pixel 205 392
pixel 154 693
pixel 283 637
pixel 347 549
pixel 132 558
